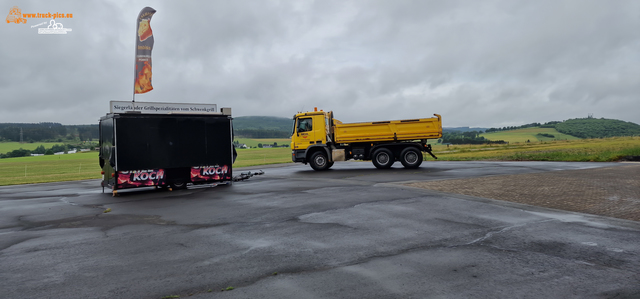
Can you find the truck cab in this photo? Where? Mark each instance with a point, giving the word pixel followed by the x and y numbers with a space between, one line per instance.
pixel 310 128
pixel 311 133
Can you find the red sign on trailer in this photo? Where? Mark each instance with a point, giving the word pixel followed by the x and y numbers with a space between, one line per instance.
pixel 208 173
pixel 140 178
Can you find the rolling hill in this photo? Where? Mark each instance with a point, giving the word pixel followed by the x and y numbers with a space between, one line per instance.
pixel 579 128
pixel 528 134
pixel 262 127
pixel 597 128
pixel 263 123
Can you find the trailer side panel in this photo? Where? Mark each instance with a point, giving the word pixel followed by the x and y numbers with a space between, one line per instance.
pixel 161 142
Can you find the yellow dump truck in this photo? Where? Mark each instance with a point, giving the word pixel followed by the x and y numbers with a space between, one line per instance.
pixel 321 140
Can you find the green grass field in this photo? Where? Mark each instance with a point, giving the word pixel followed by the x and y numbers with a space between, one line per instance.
pixel 262 156
pixel 41 169
pixel 82 166
pixel 522 135
pixel 581 150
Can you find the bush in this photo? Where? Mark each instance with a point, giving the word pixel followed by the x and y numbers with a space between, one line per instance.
pixel 18 153
pixel 39 150
pixel 56 148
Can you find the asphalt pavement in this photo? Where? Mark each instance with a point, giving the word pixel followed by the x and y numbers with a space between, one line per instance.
pixel 350 232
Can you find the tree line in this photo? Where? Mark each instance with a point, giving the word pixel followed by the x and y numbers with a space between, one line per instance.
pixel 470 137
pixel 531 125
pixel 51 132
pixel 40 150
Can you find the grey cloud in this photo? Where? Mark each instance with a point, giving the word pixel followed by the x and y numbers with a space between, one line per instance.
pixel 484 63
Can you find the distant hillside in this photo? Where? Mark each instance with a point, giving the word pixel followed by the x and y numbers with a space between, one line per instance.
pixel 46 131
pixel 263 122
pixel 262 127
pixel 529 134
pixel 597 128
pixel 583 127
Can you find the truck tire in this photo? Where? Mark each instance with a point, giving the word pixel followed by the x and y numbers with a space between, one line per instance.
pixel 411 157
pixel 383 158
pixel 319 161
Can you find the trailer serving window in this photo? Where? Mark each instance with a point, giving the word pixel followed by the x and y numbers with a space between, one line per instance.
pixel 107 141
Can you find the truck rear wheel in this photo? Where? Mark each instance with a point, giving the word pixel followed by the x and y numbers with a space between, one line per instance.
pixel 319 161
pixel 383 158
pixel 411 157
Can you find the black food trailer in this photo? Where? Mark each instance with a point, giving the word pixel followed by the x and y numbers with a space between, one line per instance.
pixel 165 145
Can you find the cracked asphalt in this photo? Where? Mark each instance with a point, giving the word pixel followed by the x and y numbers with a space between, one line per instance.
pixel 350 232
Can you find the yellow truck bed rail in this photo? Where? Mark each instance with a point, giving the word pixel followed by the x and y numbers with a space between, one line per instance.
pixel 394 130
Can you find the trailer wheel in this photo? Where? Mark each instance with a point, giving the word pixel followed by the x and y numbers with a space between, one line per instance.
pixel 411 157
pixel 319 161
pixel 383 158
pixel 329 165
pixel 178 185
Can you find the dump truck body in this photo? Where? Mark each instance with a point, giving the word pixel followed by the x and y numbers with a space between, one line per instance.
pixel 388 131
pixel 321 140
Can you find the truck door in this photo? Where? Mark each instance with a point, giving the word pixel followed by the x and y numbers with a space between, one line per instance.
pixel 305 135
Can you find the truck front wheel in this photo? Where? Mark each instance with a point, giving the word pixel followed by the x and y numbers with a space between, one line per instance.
pixel 411 158
pixel 383 158
pixel 319 161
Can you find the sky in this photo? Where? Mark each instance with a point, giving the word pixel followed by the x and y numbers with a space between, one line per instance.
pixel 490 63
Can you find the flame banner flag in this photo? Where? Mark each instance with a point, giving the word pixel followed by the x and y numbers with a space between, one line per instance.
pixel 144 45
